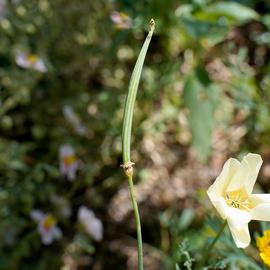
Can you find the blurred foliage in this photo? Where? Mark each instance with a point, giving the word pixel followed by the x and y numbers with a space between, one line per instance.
pixel 207 70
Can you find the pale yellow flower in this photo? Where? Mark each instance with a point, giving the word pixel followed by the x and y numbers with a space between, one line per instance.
pixel 263 244
pixel 231 196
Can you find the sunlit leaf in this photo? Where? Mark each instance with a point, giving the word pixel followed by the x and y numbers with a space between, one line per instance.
pixel 234 12
pixel 200 98
pixel 209 31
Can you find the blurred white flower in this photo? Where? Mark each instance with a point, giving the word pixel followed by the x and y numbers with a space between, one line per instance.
pixel 69 164
pixel 74 120
pixel 46 226
pixel 121 20
pixel 92 225
pixel 32 61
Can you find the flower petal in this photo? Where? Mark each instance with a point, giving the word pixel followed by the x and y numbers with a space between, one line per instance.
pixel 238 218
pixel 229 169
pixel 259 198
pixel 47 237
pixel 240 235
pixel 261 212
pixel 66 150
pixel 247 173
pixel 36 215
pixel 221 207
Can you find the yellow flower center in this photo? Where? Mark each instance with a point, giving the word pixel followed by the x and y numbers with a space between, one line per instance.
pixel 124 16
pixel 49 222
pixel 32 58
pixel 263 244
pixel 238 199
pixel 69 160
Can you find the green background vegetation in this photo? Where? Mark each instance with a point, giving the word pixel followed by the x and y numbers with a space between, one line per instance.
pixel 204 96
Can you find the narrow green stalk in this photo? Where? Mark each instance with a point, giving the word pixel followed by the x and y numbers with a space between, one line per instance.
pixel 126 135
pixel 138 223
pixel 209 248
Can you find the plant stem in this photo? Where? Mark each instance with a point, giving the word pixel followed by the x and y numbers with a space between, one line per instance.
pixel 138 223
pixel 209 248
pixel 126 135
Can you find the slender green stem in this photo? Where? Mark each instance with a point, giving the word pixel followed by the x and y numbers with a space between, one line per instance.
pixel 209 248
pixel 138 223
pixel 126 136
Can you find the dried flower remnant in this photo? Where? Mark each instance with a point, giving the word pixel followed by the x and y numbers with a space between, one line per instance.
pixel 128 168
pixel 31 61
pixel 92 225
pixel 231 196
pixel 121 20
pixel 263 244
pixel 69 164
pixel 47 226
pixel 74 120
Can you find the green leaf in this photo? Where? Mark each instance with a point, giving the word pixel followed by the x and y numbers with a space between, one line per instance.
pixel 266 21
pixel 186 218
pixel 200 98
pixel 234 12
pixel 210 31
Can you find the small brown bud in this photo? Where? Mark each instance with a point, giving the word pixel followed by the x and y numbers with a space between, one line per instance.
pixel 152 23
pixel 128 168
